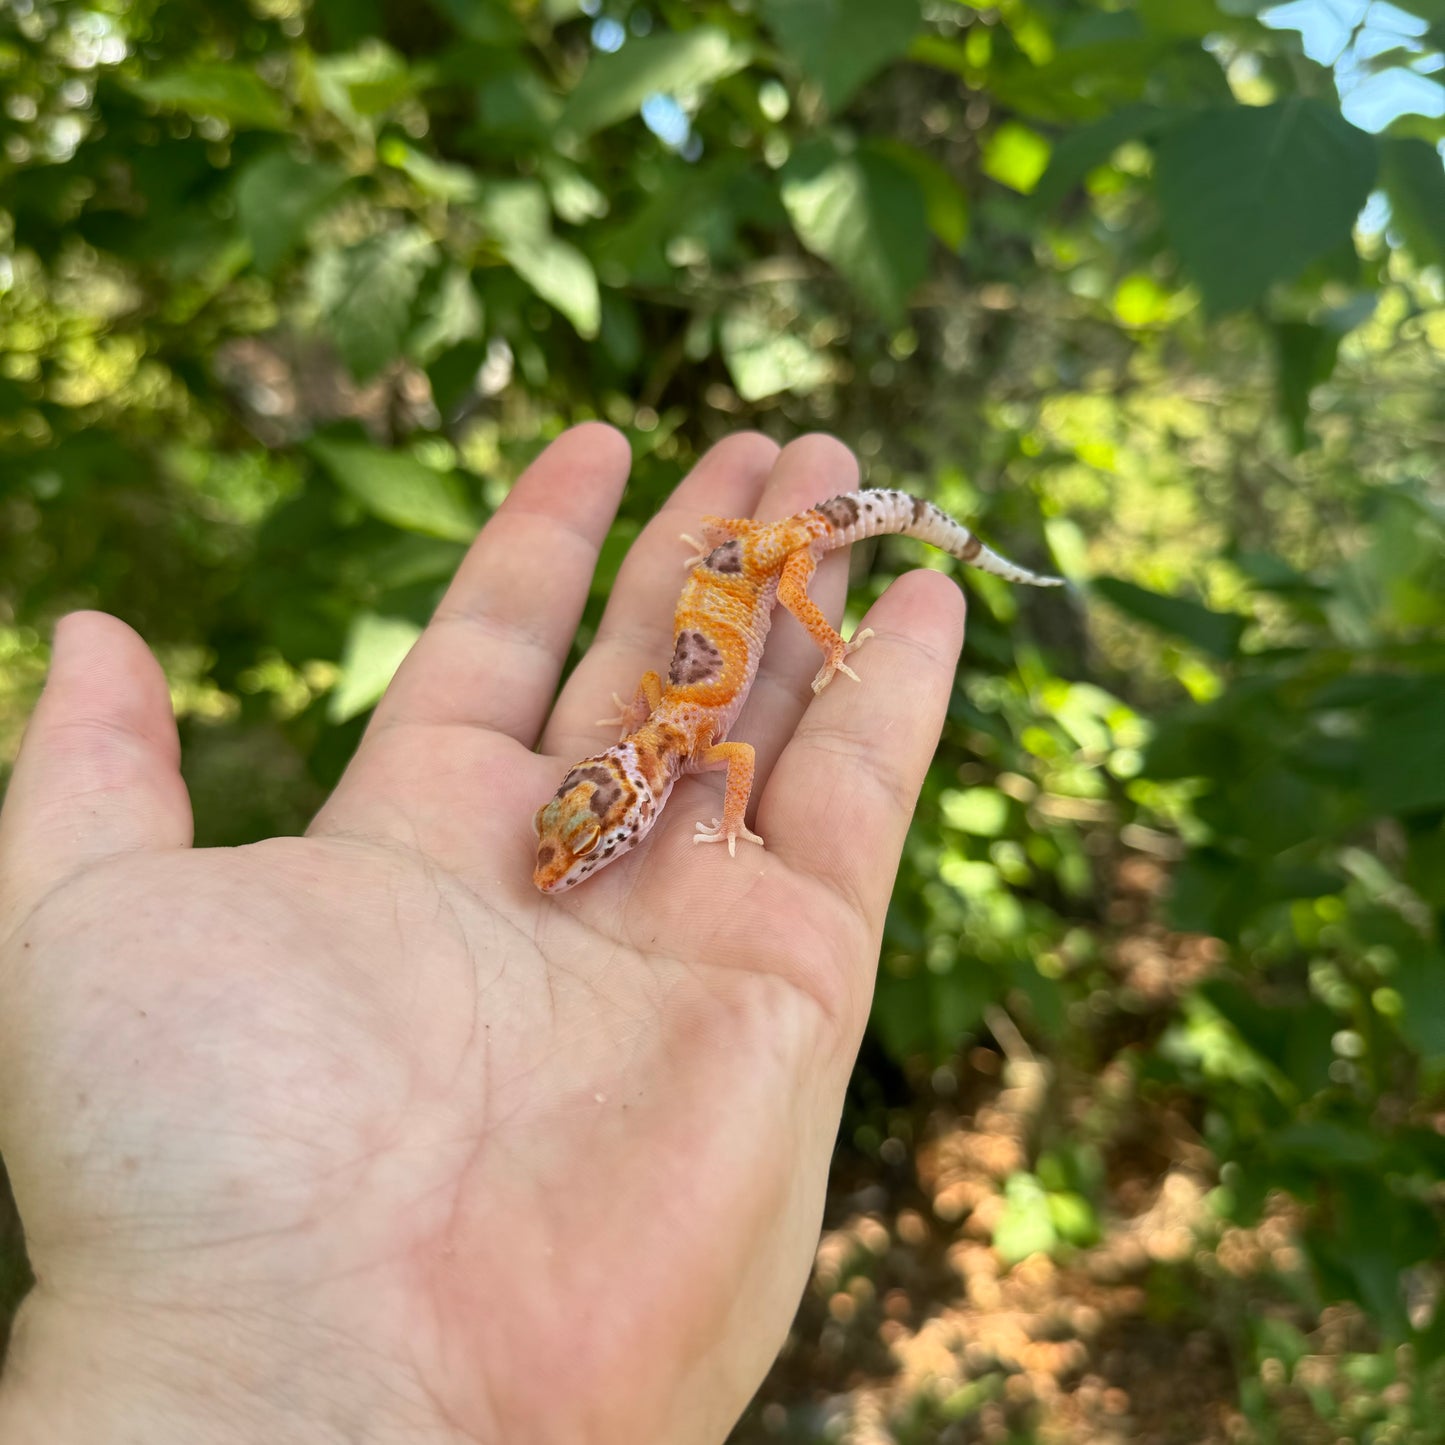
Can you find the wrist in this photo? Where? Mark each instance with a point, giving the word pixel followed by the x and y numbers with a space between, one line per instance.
pixel 86 1374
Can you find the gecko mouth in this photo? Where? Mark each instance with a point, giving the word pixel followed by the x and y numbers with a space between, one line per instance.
pixel 557 875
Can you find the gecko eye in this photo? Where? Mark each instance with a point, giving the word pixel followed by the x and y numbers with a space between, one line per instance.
pixel 584 841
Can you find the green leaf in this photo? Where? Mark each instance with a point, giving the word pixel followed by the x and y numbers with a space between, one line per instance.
pixel 277 198
pixel 1251 195
pixel 1327 1144
pixel 1415 183
pixel 840 43
pixel 375 647
pixel 363 83
pixel 365 295
pixel 945 199
pixel 517 215
pixel 560 274
pixel 1214 633
pixel 1405 761
pixel 1089 147
pixel 863 214
pixel 614 85
pixel 575 199
pixel 1026 1223
pixel 1305 357
pixel 1420 980
pixel 1431 10
pixel 1087 79
pixel 442 179
pixel 486 21
pixel 517 104
pixel 984 812
pixel 763 360
pixel 1073 1217
pixel 235 93
pixel 447 312
pixel 1017 156
pixel 1187 19
pixel 399 489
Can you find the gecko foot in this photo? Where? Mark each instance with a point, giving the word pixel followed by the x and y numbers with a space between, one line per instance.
pixel 630 715
pixel 835 662
pixel 702 551
pixel 714 832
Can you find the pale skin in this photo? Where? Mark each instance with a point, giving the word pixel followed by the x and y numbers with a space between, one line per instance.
pixel 356 1137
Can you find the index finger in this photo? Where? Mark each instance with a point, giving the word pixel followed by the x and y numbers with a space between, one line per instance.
pixel 491 655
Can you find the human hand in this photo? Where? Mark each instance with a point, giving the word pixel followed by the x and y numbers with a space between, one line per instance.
pixel 356 1136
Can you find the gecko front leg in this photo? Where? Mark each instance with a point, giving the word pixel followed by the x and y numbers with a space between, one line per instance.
pixel 740 761
pixel 632 715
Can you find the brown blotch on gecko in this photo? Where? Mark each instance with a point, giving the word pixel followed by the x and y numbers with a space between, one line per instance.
pixel 727 559
pixel 840 512
pixel 695 659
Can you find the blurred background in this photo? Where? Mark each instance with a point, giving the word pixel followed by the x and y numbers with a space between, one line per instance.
pixel 1147 1141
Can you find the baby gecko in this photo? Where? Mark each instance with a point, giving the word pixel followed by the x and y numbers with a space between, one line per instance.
pixel 609 803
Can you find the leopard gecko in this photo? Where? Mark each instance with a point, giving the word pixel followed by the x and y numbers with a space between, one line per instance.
pixel 608 803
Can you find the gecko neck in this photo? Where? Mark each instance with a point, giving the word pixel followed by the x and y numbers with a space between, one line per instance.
pixel 661 750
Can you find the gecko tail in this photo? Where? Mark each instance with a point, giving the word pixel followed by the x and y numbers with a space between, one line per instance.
pixel 876 513
pixel 987 560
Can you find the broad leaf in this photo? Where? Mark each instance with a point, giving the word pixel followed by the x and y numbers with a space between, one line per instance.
pixel 840 43
pixel 235 93
pixel 1251 195
pixel 399 489
pixel 487 21
pixel 1215 633
pixel 863 214
pixel 1090 146
pixel 763 360
pixel 277 198
pixel 361 84
pixel 1017 156
pixel 1025 1224
pixel 365 295
pixel 1419 979
pixel 1306 357
pixel 945 199
pixel 1405 762
pixel 441 179
pixel 1431 10
pixel 375 648
pixel 1414 180
pixel 517 104
pixel 518 216
pixel 447 312
pixel 1186 19
pixel 614 85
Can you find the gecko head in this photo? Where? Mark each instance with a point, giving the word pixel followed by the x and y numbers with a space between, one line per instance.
pixel 602 810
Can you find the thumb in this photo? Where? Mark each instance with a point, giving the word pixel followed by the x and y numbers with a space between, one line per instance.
pixel 99 768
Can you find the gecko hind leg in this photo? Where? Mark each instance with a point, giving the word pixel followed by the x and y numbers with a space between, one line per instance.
pixel 793 594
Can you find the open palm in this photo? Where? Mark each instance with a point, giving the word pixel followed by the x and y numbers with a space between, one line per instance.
pixel 357 1136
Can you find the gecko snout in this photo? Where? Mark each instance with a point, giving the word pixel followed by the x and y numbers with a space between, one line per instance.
pixel 599 813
